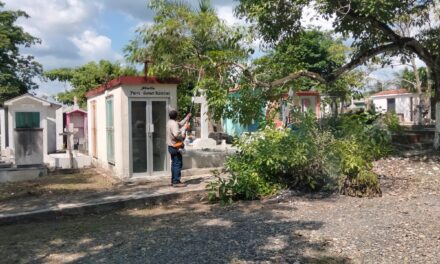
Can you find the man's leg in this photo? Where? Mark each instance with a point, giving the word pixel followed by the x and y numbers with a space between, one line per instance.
pixel 174 165
pixel 179 164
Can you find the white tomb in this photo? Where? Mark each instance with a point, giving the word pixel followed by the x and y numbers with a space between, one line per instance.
pixel 28 130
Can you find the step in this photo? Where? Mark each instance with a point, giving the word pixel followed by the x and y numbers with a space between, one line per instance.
pixel 416 152
pixel 414 146
pixel 107 203
pixel 199 171
pixel 4 164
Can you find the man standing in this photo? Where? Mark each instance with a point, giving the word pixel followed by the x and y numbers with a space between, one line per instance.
pixel 175 137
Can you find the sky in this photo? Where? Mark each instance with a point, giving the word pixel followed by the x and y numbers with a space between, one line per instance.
pixel 74 32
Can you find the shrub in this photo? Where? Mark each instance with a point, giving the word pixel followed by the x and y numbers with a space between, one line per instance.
pixel 391 122
pixel 368 130
pixel 272 158
pixel 247 185
pixel 366 183
pixel 312 157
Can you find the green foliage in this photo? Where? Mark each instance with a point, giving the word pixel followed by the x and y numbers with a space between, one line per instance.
pixel 408 79
pixel 372 26
pixel 193 45
pixel 366 21
pixel 312 157
pixel 17 72
pixel 86 77
pixel 368 130
pixel 391 122
pixel 247 185
pixel 272 158
pixel 245 105
pixel 311 50
pixel 366 183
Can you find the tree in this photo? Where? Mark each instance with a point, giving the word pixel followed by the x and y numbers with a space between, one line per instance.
pixel 417 80
pixel 194 45
pixel 86 77
pixel 369 23
pixel 314 51
pixel 17 71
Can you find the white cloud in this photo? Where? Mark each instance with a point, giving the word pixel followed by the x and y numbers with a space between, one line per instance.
pixel 226 13
pixel 135 9
pixel 56 22
pixel 95 47
pixel 311 18
pixel 57 16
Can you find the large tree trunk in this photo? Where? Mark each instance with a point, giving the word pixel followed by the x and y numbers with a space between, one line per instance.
pixel 436 79
pixel 428 94
pixel 421 103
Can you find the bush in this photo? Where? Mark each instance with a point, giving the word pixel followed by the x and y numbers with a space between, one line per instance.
pixel 369 131
pixel 365 183
pixel 391 122
pixel 313 157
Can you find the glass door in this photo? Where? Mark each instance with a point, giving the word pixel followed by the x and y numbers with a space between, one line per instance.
pixel 149 152
pixel 158 137
pixel 139 137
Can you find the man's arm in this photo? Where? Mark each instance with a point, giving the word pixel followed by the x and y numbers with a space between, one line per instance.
pixel 187 117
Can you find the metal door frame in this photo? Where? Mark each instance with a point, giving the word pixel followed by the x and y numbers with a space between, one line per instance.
pixel 149 138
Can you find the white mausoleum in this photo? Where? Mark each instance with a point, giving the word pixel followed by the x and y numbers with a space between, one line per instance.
pixel 127 120
pixel 28 129
pixel 401 102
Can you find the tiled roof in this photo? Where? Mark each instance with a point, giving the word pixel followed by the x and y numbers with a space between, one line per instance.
pixel 130 80
pixel 391 92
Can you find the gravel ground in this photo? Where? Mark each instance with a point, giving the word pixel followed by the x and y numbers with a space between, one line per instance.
pixel 402 226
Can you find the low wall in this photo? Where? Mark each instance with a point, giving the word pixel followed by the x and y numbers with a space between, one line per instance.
pixel 193 159
pixel 62 161
pixel 22 174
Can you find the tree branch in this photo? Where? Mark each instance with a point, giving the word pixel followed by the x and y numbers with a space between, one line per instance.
pixel 296 75
pixel 384 28
pixel 366 55
pixel 411 43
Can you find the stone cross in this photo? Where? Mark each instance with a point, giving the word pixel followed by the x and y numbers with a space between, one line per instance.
pixel 204 141
pixel 203 116
pixel 70 131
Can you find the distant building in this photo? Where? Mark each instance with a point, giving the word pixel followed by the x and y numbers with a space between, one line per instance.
pixel 72 115
pixel 400 101
pixel 305 101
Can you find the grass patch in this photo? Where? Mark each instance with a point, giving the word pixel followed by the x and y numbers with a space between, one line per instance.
pixel 59 184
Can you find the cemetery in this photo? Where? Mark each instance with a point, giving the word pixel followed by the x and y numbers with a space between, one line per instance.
pixel 202 131
pixel 44 134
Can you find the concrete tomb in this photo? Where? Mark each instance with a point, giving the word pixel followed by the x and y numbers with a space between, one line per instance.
pixel 28 130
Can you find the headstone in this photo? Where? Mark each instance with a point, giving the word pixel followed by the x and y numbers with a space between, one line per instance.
pixel 204 141
pixel 28 147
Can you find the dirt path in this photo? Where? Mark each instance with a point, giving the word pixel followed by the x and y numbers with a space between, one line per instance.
pixel 400 227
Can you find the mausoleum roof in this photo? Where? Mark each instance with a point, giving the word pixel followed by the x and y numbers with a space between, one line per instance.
pixel 391 92
pixel 130 80
pixel 32 97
